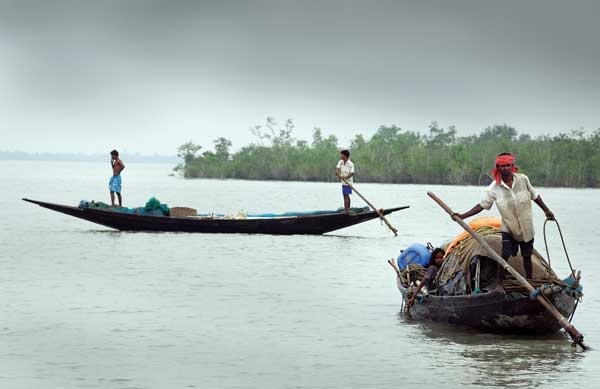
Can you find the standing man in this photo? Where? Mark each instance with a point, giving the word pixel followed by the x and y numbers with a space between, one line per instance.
pixel 345 170
pixel 512 192
pixel 114 185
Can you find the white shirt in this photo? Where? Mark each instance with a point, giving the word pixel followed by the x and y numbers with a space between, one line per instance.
pixel 514 205
pixel 345 169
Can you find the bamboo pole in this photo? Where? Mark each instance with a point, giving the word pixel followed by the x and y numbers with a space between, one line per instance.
pixel 575 335
pixel 392 263
pixel 381 216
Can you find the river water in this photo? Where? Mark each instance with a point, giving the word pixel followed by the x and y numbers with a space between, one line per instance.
pixel 82 306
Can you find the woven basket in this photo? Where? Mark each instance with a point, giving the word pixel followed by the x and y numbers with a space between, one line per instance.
pixel 182 212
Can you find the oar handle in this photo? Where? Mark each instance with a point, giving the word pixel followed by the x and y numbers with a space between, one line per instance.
pixel 441 203
pixel 570 329
pixel 392 263
pixel 390 226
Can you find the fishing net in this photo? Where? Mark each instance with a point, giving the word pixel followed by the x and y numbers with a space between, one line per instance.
pixel 459 263
pixel 154 206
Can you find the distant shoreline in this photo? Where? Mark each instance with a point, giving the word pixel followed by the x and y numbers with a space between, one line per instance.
pixel 77 157
pixel 393 155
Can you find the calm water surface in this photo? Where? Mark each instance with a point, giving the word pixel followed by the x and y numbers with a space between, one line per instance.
pixel 82 306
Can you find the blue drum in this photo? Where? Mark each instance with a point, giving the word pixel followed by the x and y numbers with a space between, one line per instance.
pixel 416 253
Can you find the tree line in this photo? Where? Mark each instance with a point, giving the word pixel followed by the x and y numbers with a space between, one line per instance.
pixel 395 155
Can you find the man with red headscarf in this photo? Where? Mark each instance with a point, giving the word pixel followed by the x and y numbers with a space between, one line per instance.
pixel 512 192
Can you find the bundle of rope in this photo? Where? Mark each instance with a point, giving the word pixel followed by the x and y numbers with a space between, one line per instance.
pixel 467 244
pixel 465 249
pixel 460 257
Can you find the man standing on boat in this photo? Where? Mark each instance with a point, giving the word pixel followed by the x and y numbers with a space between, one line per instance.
pixel 114 185
pixel 345 170
pixel 512 192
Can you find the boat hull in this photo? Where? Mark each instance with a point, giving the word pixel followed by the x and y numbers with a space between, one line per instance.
pixel 314 225
pixel 493 311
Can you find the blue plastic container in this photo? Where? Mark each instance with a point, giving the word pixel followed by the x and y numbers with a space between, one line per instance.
pixel 416 253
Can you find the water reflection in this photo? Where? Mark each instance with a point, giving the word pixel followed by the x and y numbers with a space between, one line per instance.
pixel 499 359
pixel 118 232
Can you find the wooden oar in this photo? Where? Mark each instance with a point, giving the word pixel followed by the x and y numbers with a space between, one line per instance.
pixel 571 330
pixel 391 227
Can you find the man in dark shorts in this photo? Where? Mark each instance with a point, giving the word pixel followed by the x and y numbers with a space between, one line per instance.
pixel 345 170
pixel 512 192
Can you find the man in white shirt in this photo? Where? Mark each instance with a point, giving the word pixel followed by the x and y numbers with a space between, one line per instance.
pixel 345 170
pixel 512 192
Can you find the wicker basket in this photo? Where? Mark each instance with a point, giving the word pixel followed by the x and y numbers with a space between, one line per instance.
pixel 182 212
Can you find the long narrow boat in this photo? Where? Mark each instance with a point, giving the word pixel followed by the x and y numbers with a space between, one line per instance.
pixel 304 224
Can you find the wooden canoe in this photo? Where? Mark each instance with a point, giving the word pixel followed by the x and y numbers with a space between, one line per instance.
pixel 309 224
pixel 493 311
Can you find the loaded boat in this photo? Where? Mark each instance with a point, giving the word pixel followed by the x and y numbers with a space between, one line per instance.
pixel 467 290
pixel 289 223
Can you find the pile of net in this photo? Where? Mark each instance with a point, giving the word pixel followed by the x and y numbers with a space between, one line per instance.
pixel 153 207
pixel 457 273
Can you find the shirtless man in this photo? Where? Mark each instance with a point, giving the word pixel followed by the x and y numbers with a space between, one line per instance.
pixel 114 185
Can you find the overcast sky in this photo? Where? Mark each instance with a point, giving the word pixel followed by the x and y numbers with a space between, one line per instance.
pixel 147 76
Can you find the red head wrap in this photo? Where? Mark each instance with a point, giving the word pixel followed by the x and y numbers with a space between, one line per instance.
pixel 506 159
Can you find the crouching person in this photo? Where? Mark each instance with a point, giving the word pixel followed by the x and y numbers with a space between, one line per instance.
pixel 435 263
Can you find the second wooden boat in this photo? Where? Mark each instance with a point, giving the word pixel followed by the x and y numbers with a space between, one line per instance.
pixel 305 223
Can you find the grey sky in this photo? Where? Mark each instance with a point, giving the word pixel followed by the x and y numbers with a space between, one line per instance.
pixel 147 76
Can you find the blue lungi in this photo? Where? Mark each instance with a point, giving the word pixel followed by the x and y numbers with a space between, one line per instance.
pixel 114 185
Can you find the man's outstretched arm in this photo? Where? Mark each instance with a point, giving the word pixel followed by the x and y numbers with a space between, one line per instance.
pixel 473 211
pixel 548 212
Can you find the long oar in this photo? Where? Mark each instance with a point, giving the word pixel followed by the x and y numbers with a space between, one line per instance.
pixel 390 226
pixel 571 330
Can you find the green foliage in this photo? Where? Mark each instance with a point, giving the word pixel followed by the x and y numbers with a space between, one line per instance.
pixel 399 156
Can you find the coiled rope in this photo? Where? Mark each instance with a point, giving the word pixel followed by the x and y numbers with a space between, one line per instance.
pixel 566 254
pixel 563 244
